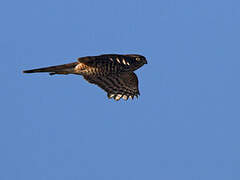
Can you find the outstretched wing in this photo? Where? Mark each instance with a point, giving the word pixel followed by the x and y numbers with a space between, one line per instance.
pixel 117 86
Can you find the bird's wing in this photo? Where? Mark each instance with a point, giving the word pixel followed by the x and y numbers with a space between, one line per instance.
pixel 117 86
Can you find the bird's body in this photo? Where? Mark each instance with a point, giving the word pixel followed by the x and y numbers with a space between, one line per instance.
pixel 112 72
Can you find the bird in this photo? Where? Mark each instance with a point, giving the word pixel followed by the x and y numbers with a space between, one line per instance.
pixel 114 73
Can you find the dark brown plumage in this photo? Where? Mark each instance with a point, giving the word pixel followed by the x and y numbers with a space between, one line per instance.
pixel 111 72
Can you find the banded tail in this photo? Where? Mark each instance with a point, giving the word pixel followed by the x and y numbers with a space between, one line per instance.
pixel 60 69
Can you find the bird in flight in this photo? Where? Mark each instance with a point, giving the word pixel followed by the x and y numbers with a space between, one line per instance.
pixel 114 73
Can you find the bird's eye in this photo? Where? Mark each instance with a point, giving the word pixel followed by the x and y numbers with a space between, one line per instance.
pixel 138 59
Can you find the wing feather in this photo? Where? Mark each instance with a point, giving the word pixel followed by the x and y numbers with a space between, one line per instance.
pixel 117 86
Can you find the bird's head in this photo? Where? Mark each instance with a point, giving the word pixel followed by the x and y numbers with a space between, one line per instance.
pixel 137 60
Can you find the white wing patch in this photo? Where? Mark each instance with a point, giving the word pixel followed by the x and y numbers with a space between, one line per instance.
pixel 118 97
pixel 111 96
pixel 118 60
pixel 125 97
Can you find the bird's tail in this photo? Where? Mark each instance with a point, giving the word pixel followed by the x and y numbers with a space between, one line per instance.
pixel 60 69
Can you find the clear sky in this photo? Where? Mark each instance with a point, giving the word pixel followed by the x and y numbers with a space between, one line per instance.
pixel 185 125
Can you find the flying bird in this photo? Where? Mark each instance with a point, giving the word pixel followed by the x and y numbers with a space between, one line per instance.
pixel 114 73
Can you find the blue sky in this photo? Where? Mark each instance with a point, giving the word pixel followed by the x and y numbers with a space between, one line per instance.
pixel 185 125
